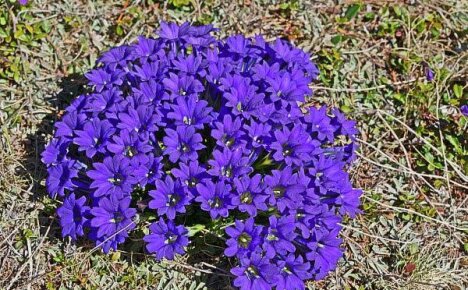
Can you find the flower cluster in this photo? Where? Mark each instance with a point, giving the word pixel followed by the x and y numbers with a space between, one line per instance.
pixel 187 123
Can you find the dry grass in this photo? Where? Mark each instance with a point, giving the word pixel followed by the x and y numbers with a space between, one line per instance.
pixel 413 234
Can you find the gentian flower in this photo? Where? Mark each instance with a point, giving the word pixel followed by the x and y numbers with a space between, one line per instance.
pixel 71 121
pixel 104 78
pixel 192 129
pixel 55 152
pixel 112 177
pixel 293 146
pixel 285 189
pixel 293 271
pixel 112 220
pixel 166 239
pixel 190 175
pixel 190 112
pixel 128 143
pixel 182 85
pixel 61 178
pixel 117 57
pixel 214 198
pixel 319 123
pixel 464 110
pixel 244 237
pixel 228 133
pixel 228 164
pixel 279 236
pixel 182 144
pixel 325 250
pixel 73 216
pixel 142 119
pixel 250 195
pixel 255 272
pixel 94 137
pixel 169 197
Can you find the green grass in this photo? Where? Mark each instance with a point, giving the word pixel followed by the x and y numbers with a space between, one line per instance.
pixel 413 161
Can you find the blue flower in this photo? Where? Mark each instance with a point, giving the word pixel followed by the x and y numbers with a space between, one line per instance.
pixel 214 198
pixel 111 222
pixel 73 216
pixel 112 177
pixel 182 144
pixel 191 129
pixel 245 237
pixel 166 239
pixel 279 236
pixel 293 271
pixel 61 178
pixel 250 195
pixel 255 272
pixel 169 197
pixel 94 137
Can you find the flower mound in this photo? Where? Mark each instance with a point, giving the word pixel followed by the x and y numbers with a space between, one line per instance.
pixel 185 124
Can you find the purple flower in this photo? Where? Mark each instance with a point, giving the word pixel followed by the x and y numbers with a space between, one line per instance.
pixel 72 216
pixel 228 133
pixel 279 236
pixel 55 152
pixel 23 2
pixel 94 137
pixel 143 118
pixel 189 111
pixel 255 272
pixel 191 175
pixel 284 87
pixel 325 251
pixel 327 173
pixel 166 239
pixel 242 98
pixel 169 197
pixel 181 86
pixel 117 56
pixel 71 122
pixel 105 102
pixel 244 237
pixel 250 195
pixel 61 178
pixel 104 78
pixel 344 126
pixel 182 144
pixel 293 271
pixel 259 133
pixel 112 177
pixel 147 169
pixel 128 144
pixel 285 189
pixel 189 65
pixel 149 71
pixel 215 198
pixel 464 110
pixel 319 123
pixel 185 122
pixel 147 49
pixel 150 92
pixel 429 74
pixel 293 146
pixel 112 220
pixel 346 199
pixel 229 164
pixel 172 31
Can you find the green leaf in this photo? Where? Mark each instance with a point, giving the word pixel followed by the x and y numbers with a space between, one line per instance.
pixel 337 39
pixel 458 90
pixel 193 230
pixel 352 11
